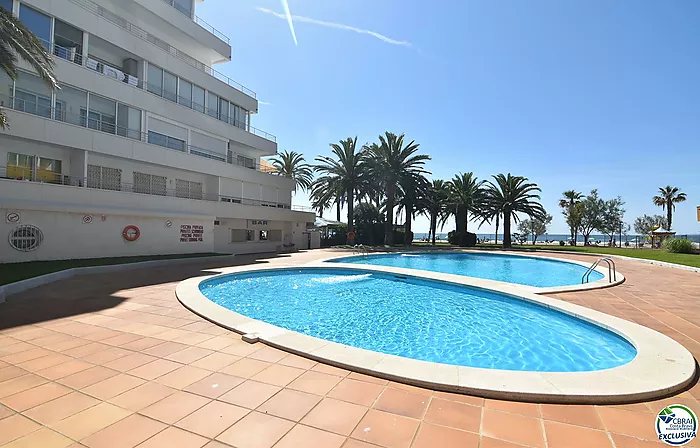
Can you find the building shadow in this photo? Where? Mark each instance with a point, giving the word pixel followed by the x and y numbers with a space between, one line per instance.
pixel 85 294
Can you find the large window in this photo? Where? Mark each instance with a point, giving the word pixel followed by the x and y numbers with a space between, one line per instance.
pixel 169 86
pixel 166 141
pixel 38 23
pixel 223 109
pixel 68 42
pixel 198 98
pixel 32 95
pixel 240 117
pixel 185 96
pixel 20 166
pixel 71 105
pixel 213 105
pixel 184 6
pixel 155 79
pixel 245 161
pixel 149 184
pixel 102 114
pixel 128 121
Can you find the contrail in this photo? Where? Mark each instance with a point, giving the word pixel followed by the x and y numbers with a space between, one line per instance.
pixel 339 26
pixel 288 16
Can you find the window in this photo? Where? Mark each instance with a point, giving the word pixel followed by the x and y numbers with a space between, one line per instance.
pixel 184 6
pixel 104 178
pixel 129 121
pixel 213 105
pixel 239 235
pixel 20 166
pixel 26 238
pixel 69 104
pixel 223 109
pixel 245 161
pixel 166 141
pixel 149 184
pixel 185 96
pixel 198 98
pixel 155 79
pixel 32 103
pixel 250 235
pixel 188 189
pixel 240 117
pixel 38 23
pixel 68 42
pixel 48 170
pixel 102 114
pixel 169 86
pixel 263 235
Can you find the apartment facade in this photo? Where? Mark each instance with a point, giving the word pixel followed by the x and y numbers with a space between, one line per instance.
pixel 145 149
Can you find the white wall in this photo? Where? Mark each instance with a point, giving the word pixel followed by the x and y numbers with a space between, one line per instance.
pixel 66 236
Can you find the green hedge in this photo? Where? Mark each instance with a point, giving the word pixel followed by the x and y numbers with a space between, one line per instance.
pixel 678 246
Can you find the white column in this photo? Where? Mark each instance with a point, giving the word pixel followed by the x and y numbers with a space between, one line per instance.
pixel 86 38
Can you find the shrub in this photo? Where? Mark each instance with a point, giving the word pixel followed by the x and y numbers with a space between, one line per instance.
pixel 469 239
pixel 678 246
pixel 562 243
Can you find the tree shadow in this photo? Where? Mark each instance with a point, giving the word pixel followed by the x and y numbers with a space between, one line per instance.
pixel 85 294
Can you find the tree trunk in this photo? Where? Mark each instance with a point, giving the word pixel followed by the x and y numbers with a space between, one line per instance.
pixel 460 222
pixel 388 225
pixel 498 216
pixel 351 211
pixel 408 239
pixel 575 238
pixel 507 244
pixel 669 215
pixel 585 239
pixel 320 213
pixel 337 209
pixel 433 225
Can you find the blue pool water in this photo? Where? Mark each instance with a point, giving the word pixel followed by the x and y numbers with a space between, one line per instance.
pixel 529 271
pixel 420 319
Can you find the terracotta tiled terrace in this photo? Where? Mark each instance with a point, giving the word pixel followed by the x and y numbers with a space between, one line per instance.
pixel 115 361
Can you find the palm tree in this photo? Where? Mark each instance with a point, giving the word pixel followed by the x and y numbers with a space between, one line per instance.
pixel 434 204
pixel 346 172
pixel 466 196
pixel 291 164
pixel 323 195
pixel 490 211
pixel 391 161
pixel 511 195
pixel 567 202
pixel 667 199
pixel 412 188
pixel 17 40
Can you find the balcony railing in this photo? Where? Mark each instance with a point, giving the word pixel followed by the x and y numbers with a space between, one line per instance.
pixel 148 37
pixel 29 174
pixel 110 127
pixel 188 13
pixel 117 74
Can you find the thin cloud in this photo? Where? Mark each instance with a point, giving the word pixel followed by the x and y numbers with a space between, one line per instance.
pixel 288 16
pixel 340 26
pixel 264 103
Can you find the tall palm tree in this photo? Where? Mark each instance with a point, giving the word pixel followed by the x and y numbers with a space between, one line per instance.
pixel 391 161
pixel 667 199
pixel 490 211
pixel 511 195
pixel 434 204
pixel 291 164
pixel 17 40
pixel 412 188
pixel 567 202
pixel 323 194
pixel 466 196
pixel 346 171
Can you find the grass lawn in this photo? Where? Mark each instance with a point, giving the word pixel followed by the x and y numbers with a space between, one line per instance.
pixel 646 254
pixel 14 272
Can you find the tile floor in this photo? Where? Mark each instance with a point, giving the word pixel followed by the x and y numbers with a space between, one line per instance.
pixel 115 361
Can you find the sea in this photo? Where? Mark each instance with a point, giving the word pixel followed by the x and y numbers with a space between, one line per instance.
pixel 554 237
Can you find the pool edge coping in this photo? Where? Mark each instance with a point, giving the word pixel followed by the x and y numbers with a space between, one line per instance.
pixel 653 373
pixel 590 286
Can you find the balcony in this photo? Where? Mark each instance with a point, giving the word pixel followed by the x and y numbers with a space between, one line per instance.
pixel 163 45
pixel 43 176
pixel 104 119
pixel 179 7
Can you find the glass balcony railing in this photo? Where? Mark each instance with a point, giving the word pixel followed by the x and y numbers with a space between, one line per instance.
pixel 187 11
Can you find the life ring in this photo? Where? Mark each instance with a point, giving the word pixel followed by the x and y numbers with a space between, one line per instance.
pixel 131 233
pixel 351 235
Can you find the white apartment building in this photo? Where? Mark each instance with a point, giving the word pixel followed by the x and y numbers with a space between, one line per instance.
pixel 145 149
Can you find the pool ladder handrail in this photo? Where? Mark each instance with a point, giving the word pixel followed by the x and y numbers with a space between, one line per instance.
pixel 360 249
pixel 612 273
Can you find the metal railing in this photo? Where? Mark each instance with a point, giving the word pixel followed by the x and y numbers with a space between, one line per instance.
pixel 29 174
pixel 188 13
pixel 148 37
pixel 111 127
pixel 612 273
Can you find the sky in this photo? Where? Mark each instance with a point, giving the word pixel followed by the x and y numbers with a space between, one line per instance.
pixel 575 94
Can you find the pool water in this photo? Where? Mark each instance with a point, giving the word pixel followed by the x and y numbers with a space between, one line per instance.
pixel 421 319
pixel 531 271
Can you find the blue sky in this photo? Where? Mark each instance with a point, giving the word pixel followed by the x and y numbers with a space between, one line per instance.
pixel 575 94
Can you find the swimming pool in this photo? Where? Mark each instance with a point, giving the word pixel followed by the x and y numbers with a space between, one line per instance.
pixel 420 319
pixel 523 270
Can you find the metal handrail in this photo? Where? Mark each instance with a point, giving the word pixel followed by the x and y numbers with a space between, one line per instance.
pixel 612 271
pixel 199 21
pixel 58 114
pixel 160 43
pixel 36 175
pixel 360 249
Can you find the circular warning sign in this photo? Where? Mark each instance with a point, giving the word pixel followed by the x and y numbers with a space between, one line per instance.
pixel 12 217
pixel 168 223
pixel 87 219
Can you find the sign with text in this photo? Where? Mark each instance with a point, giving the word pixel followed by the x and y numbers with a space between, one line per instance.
pixel 698 213
pixel 191 233
pixel 258 224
